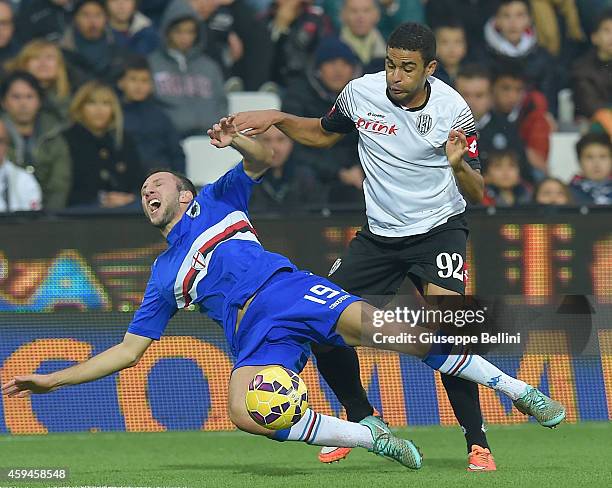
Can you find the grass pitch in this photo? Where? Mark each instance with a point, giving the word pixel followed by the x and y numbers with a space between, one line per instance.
pixel 526 456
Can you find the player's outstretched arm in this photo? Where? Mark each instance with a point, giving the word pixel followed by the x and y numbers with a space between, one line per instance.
pixel 305 130
pixel 469 180
pixel 121 356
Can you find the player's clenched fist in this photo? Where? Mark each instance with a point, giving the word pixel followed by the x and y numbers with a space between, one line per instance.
pixel 256 121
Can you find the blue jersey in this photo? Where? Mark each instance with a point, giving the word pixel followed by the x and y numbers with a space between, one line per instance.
pixel 214 259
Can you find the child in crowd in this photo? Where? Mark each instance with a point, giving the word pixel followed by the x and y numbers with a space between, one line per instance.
pixel 131 29
pixel 552 191
pixel 594 185
pixel 451 50
pixel 156 138
pixel 503 185
pixel 189 83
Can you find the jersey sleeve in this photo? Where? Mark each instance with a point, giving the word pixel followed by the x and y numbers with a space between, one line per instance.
pixel 234 187
pixel 154 313
pixel 465 121
pixel 339 119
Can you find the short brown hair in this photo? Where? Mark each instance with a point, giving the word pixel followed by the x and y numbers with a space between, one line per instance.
pixel 184 183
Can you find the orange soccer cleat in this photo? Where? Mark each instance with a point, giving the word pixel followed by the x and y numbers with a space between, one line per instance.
pixel 330 455
pixel 481 459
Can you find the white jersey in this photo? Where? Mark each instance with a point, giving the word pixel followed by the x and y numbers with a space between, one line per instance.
pixel 410 186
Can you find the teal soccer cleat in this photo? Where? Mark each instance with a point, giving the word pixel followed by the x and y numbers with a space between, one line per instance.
pixel 545 410
pixel 387 445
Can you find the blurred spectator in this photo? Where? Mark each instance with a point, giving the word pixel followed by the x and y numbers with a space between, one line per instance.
pixel 503 185
pixel 36 142
pixel 155 136
pixel 132 29
pixel 496 132
pixel 236 39
pixel 45 61
pixel 529 110
pixel 8 45
pixel 220 41
pixel 451 50
pixel 392 13
pixel 44 19
pixel 472 14
pixel 105 163
pixel 189 83
pixel 256 43
pixel 509 36
pixel 552 191
pixel 286 184
pixel 592 76
pixel 545 19
pixel 335 65
pixel 359 20
pixel 19 190
pixel 295 28
pixel 88 43
pixel 594 184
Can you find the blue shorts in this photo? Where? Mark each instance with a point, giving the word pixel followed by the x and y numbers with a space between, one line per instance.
pixel 293 310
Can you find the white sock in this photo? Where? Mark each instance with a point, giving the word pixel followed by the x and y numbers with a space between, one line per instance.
pixel 323 430
pixel 477 369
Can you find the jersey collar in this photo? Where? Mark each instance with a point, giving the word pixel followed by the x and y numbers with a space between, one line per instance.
pixel 415 109
pixel 177 231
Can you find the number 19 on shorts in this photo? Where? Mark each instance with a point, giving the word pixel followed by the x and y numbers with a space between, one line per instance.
pixel 321 292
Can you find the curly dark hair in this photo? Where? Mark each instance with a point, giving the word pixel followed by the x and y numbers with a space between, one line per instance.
pixel 412 36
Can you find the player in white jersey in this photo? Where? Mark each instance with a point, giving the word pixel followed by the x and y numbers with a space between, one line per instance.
pixel 414 203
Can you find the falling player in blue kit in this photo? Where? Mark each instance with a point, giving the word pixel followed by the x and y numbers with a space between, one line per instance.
pixel 270 311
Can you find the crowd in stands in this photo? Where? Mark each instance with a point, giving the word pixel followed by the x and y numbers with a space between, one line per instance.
pixel 94 94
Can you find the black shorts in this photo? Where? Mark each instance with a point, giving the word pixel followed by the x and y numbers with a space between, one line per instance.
pixel 376 266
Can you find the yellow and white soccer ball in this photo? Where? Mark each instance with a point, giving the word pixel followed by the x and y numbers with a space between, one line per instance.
pixel 277 398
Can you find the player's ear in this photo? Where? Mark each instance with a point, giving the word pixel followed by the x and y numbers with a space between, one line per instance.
pixel 430 69
pixel 185 197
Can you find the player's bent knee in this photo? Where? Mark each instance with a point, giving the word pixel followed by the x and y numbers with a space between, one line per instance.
pixel 242 424
pixel 240 418
pixel 243 421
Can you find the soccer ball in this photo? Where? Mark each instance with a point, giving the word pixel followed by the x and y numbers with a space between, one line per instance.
pixel 276 398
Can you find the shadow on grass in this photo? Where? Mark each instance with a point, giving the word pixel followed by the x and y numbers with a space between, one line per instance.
pixel 281 471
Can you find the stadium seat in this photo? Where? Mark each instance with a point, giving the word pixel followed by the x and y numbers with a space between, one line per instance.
pixel 562 160
pixel 244 101
pixel 206 163
pixel 566 108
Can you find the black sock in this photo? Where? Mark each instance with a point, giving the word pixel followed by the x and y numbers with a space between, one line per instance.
pixel 340 368
pixel 465 400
